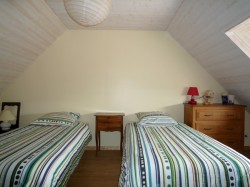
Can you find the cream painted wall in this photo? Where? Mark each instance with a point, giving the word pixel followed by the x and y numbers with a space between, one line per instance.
pixel 123 71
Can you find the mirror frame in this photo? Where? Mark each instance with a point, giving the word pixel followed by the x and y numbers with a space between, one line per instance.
pixel 18 104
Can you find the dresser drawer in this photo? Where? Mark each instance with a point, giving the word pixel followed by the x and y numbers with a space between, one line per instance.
pixel 219 127
pixel 213 115
pixel 230 141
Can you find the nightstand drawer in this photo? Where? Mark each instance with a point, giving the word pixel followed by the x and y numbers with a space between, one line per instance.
pixel 109 123
pixel 109 126
pixel 109 119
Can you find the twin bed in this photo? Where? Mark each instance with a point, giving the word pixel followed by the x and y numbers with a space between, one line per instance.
pixel 159 152
pixel 43 153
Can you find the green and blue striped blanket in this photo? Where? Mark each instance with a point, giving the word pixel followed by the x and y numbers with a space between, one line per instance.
pixel 38 155
pixel 179 156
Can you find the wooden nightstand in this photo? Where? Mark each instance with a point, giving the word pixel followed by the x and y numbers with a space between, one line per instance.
pixel 108 122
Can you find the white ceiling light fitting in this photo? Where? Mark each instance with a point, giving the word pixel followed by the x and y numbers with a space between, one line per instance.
pixel 88 12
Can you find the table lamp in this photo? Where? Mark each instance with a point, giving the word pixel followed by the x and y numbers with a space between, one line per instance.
pixel 6 116
pixel 193 91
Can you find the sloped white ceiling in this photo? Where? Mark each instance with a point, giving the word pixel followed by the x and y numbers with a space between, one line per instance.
pixel 200 26
pixel 28 27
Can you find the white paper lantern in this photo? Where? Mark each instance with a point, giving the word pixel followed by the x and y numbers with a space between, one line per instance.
pixel 88 12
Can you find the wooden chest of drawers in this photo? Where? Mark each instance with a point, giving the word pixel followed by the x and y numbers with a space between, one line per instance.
pixel 224 123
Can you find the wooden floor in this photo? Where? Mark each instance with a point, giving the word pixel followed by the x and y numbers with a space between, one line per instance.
pixel 96 171
pixel 101 170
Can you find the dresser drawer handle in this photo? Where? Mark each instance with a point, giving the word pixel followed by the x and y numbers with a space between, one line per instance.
pixel 208 115
pixel 207 129
pixel 230 129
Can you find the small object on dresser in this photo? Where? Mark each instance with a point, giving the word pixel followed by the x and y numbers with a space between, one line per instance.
pixel 224 99
pixel 227 99
pixel 230 99
pixel 208 97
pixel 193 91
pixel 6 116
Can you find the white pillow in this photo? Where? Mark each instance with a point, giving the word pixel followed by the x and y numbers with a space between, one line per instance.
pixel 141 115
pixel 157 120
pixel 58 118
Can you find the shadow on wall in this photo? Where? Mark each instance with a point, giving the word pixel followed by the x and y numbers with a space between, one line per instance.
pixel 175 111
pixel 27 119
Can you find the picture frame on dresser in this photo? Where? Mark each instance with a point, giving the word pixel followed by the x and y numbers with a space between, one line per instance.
pixel 14 107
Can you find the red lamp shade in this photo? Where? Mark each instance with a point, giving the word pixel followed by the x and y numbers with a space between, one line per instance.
pixel 193 91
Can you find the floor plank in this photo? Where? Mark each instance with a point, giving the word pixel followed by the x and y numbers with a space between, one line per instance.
pixel 96 171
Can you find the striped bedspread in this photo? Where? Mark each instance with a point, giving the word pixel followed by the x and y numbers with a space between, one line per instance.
pixel 176 156
pixel 41 155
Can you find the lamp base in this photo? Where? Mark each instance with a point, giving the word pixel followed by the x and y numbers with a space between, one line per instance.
pixel 5 126
pixel 192 102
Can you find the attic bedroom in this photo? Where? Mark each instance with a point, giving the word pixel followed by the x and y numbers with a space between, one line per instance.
pixel 144 56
